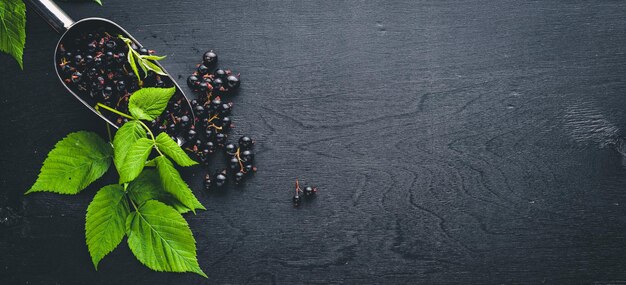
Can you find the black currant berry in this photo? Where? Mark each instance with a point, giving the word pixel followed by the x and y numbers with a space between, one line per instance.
pixel 245 143
pixel 191 134
pixel 209 58
pixel 239 177
pixel 233 164
pixel 185 121
pixel 247 156
pixel 110 45
pixel 203 69
pixel 220 73
pixel 144 51
pixel 217 83
pixel 230 149
pixel 199 111
pixel 226 123
pixel 107 92
pixel 233 82
pixel 225 109
pixel 203 86
pixel 210 147
pixel 296 200
pixel 220 179
pixel 309 191
pixel 220 138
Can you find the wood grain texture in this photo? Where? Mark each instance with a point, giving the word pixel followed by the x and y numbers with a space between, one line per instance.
pixel 453 142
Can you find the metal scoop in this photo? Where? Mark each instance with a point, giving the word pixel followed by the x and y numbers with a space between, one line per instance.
pixel 64 25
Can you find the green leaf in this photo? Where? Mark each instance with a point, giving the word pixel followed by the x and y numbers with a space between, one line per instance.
pixel 151 66
pixel 135 160
pixel 75 162
pixel 124 138
pixel 161 239
pixel 12 29
pixel 174 184
pixel 153 57
pixel 147 186
pixel 133 63
pixel 105 221
pixel 149 103
pixel 165 143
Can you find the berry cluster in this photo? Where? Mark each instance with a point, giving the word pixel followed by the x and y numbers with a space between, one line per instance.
pixel 214 122
pixel 95 66
pixel 308 192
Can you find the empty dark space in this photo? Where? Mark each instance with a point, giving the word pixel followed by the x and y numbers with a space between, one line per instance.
pixel 452 142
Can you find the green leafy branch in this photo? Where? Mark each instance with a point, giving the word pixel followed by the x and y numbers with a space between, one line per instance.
pixel 147 203
pixel 144 61
pixel 13 28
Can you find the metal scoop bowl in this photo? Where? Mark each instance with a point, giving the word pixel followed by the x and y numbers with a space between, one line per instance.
pixel 63 24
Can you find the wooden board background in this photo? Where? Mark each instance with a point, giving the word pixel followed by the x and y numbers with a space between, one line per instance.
pixel 453 142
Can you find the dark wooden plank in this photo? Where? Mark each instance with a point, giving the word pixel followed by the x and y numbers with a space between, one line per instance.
pixel 453 142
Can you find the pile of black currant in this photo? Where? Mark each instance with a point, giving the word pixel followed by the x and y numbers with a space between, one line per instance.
pixel 213 122
pixel 95 66
pixel 308 192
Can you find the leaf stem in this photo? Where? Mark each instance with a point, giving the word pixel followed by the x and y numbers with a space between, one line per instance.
pixel 133 203
pixel 151 136
pixel 100 105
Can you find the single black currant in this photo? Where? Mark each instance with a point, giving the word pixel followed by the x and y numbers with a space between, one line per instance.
pixel 239 177
pixel 230 149
pixel 233 82
pixel 185 121
pixel 309 191
pixel 226 123
pixel 203 86
pixel 245 143
pixel 191 134
pixel 247 156
pixel 209 58
pixel 296 200
pixel 220 73
pixel 233 164
pixel 220 138
pixel 107 92
pixel 203 69
pixel 210 147
pixel 220 178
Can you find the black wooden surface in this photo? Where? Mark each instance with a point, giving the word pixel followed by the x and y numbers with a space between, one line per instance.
pixel 453 142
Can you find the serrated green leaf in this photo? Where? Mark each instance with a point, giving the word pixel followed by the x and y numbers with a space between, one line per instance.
pixel 124 138
pixel 170 148
pixel 149 103
pixel 175 185
pixel 75 162
pixel 135 160
pixel 151 66
pixel 161 239
pixel 12 29
pixel 147 186
pixel 105 221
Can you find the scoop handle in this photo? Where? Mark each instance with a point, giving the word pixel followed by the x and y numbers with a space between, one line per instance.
pixel 52 14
